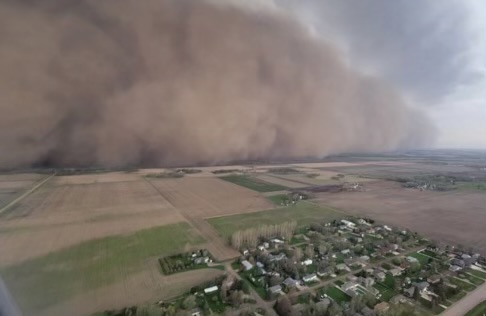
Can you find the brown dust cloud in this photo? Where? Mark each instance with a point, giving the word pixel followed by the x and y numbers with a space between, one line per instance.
pixel 169 82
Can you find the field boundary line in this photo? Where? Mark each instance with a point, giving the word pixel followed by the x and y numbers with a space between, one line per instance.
pixel 26 193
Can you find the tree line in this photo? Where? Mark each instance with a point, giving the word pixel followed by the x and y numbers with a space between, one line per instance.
pixel 252 236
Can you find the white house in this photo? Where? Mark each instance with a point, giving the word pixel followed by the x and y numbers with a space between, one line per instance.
pixel 211 289
pixel 307 262
pixel 348 223
pixel 310 278
pixel 247 265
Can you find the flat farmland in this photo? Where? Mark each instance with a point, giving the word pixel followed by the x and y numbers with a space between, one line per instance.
pixel 59 215
pixel 455 217
pixel 13 185
pixel 93 264
pixel 206 197
pixel 281 181
pixel 303 212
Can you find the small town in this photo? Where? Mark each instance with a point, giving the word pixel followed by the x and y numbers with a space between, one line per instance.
pixel 350 266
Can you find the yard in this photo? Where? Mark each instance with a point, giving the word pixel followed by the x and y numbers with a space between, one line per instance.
pixel 40 282
pixel 386 292
pixel 303 212
pixel 337 295
pixel 477 273
pixel 253 183
pixel 423 259
pixel 478 310
pixel 462 284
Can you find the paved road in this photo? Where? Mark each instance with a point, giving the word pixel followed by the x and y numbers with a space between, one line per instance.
pixel 267 306
pixel 465 304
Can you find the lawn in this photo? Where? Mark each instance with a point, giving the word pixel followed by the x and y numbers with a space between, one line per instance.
pixel 478 310
pixel 462 284
pixel 46 280
pixel 303 212
pixel 477 273
pixel 386 293
pixel 423 259
pixel 337 295
pixel 253 183
pixel 278 199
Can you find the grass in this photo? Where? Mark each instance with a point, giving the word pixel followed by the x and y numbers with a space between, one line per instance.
pixel 386 293
pixel 253 183
pixel 43 281
pixel 478 310
pixel 337 295
pixel 477 273
pixel 462 284
pixel 278 199
pixel 472 279
pixel 423 259
pixel 303 212
pixel 478 186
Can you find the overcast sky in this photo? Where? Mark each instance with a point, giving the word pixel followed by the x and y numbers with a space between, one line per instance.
pixel 433 52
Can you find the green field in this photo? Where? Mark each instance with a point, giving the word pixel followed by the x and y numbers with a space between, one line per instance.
pixel 477 273
pixel 478 310
pixel 386 293
pixel 303 212
pixel 462 284
pixel 46 280
pixel 278 199
pixel 337 295
pixel 253 183
pixel 423 259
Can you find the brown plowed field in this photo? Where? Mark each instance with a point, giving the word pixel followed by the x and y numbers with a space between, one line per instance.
pixel 455 217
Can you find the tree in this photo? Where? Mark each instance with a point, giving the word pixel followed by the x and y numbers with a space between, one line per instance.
pixel 283 307
pixel 297 254
pixel 189 302
pixel 334 310
pixel 236 298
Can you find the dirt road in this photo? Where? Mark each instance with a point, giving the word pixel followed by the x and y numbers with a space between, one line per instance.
pixel 462 306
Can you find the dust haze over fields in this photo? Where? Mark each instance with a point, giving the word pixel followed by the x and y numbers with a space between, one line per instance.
pixel 182 82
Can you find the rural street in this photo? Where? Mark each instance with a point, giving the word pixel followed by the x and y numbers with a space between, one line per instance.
pixel 465 304
pixel 26 193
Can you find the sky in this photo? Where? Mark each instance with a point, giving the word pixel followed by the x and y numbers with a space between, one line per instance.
pixel 432 52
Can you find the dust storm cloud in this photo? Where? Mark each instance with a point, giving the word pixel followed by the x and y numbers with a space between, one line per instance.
pixel 180 82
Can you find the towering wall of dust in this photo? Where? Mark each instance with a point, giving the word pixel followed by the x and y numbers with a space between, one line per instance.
pixel 179 82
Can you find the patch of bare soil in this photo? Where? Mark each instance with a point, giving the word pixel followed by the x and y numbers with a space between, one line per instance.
pixel 454 217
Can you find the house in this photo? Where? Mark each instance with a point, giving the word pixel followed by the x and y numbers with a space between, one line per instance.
pixel 380 276
pixel 266 245
pixel 367 282
pixel 352 278
pixel 345 251
pixel 260 265
pixel 434 279
pixel 245 252
pixel 412 259
pixel 395 272
pixel 387 228
pixel 422 286
pixel 366 311
pixel 280 256
pixel 399 298
pixel 410 291
pixel 211 289
pixel 289 282
pixel 307 262
pixel 454 268
pixel 277 241
pixel 364 258
pixel 201 260
pixel 261 248
pixel 196 312
pixel 458 262
pixel 342 267
pixel 349 286
pixel 275 290
pixel 382 307
pixel 247 265
pixel 310 278
pixel 348 223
